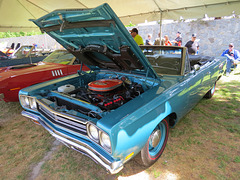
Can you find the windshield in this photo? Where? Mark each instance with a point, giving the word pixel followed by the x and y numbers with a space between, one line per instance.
pixel 60 57
pixel 22 52
pixel 164 60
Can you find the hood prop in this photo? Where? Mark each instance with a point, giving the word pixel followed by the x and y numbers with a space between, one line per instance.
pixel 63 22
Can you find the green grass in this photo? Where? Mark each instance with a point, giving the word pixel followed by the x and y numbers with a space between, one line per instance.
pixel 156 173
pixel 237 159
pixel 22 143
pixel 202 177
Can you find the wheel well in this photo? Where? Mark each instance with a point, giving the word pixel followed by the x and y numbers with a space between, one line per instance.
pixel 172 119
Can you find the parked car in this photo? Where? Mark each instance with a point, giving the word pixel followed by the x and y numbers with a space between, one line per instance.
pixel 9 50
pixel 3 56
pixel 13 78
pixel 23 55
pixel 132 95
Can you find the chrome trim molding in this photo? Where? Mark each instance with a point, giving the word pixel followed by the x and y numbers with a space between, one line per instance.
pixel 62 121
pixel 60 114
pixel 29 115
pixel 112 166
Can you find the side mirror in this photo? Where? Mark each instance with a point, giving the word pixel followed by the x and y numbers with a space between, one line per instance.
pixel 196 67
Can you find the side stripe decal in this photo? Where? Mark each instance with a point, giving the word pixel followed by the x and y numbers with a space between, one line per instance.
pixel 57 72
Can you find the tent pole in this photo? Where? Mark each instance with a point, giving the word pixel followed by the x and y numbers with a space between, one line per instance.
pixel 160 25
pixel 160 10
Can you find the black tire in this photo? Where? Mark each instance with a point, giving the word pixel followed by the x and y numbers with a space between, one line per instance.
pixel 211 92
pixel 155 145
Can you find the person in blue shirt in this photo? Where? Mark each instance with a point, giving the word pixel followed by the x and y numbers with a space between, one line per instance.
pixel 148 40
pixel 233 57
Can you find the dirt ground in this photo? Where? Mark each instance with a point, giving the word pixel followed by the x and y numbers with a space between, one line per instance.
pixel 205 144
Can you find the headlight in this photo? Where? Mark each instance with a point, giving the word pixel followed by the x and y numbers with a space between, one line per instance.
pixel 33 103
pixel 99 137
pixel 93 132
pixel 105 141
pixel 28 102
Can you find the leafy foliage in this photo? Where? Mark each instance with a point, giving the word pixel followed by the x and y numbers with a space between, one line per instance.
pixel 130 25
pixel 17 34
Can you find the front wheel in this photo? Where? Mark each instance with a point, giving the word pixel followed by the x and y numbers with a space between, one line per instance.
pixel 211 92
pixel 156 143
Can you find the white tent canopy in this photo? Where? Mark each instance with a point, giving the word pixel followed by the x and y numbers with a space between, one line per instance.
pixel 14 14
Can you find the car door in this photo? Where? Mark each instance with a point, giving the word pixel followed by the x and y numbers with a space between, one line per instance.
pixel 194 81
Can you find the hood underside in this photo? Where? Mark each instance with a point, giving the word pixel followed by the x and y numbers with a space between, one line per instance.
pixel 97 38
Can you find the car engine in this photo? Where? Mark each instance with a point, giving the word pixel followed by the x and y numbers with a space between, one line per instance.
pixel 107 94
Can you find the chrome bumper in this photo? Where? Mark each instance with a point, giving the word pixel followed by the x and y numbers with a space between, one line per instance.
pixel 112 166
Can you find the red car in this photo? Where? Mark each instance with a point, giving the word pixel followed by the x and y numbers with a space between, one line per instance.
pixel 58 64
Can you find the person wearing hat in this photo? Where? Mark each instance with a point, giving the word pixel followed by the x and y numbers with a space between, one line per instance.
pixel 192 45
pixel 233 57
pixel 137 38
pixel 178 40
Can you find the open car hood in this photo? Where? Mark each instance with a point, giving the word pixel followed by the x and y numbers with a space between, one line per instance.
pixel 97 38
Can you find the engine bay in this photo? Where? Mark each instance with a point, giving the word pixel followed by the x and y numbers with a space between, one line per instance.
pixel 94 98
pixel 107 94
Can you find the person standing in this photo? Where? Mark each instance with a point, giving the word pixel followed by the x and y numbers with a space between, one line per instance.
pixel 192 45
pixel 178 40
pixel 167 42
pixel 159 41
pixel 137 38
pixel 233 57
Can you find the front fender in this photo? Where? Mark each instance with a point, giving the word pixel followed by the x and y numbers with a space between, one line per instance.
pixel 132 133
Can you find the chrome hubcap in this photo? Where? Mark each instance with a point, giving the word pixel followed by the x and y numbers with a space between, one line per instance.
pixel 155 138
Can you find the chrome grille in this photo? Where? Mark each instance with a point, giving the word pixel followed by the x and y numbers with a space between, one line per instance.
pixel 70 123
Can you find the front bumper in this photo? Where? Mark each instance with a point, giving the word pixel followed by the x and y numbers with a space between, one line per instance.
pixel 111 166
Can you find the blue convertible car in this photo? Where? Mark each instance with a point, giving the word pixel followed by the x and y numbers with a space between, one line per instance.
pixel 130 97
